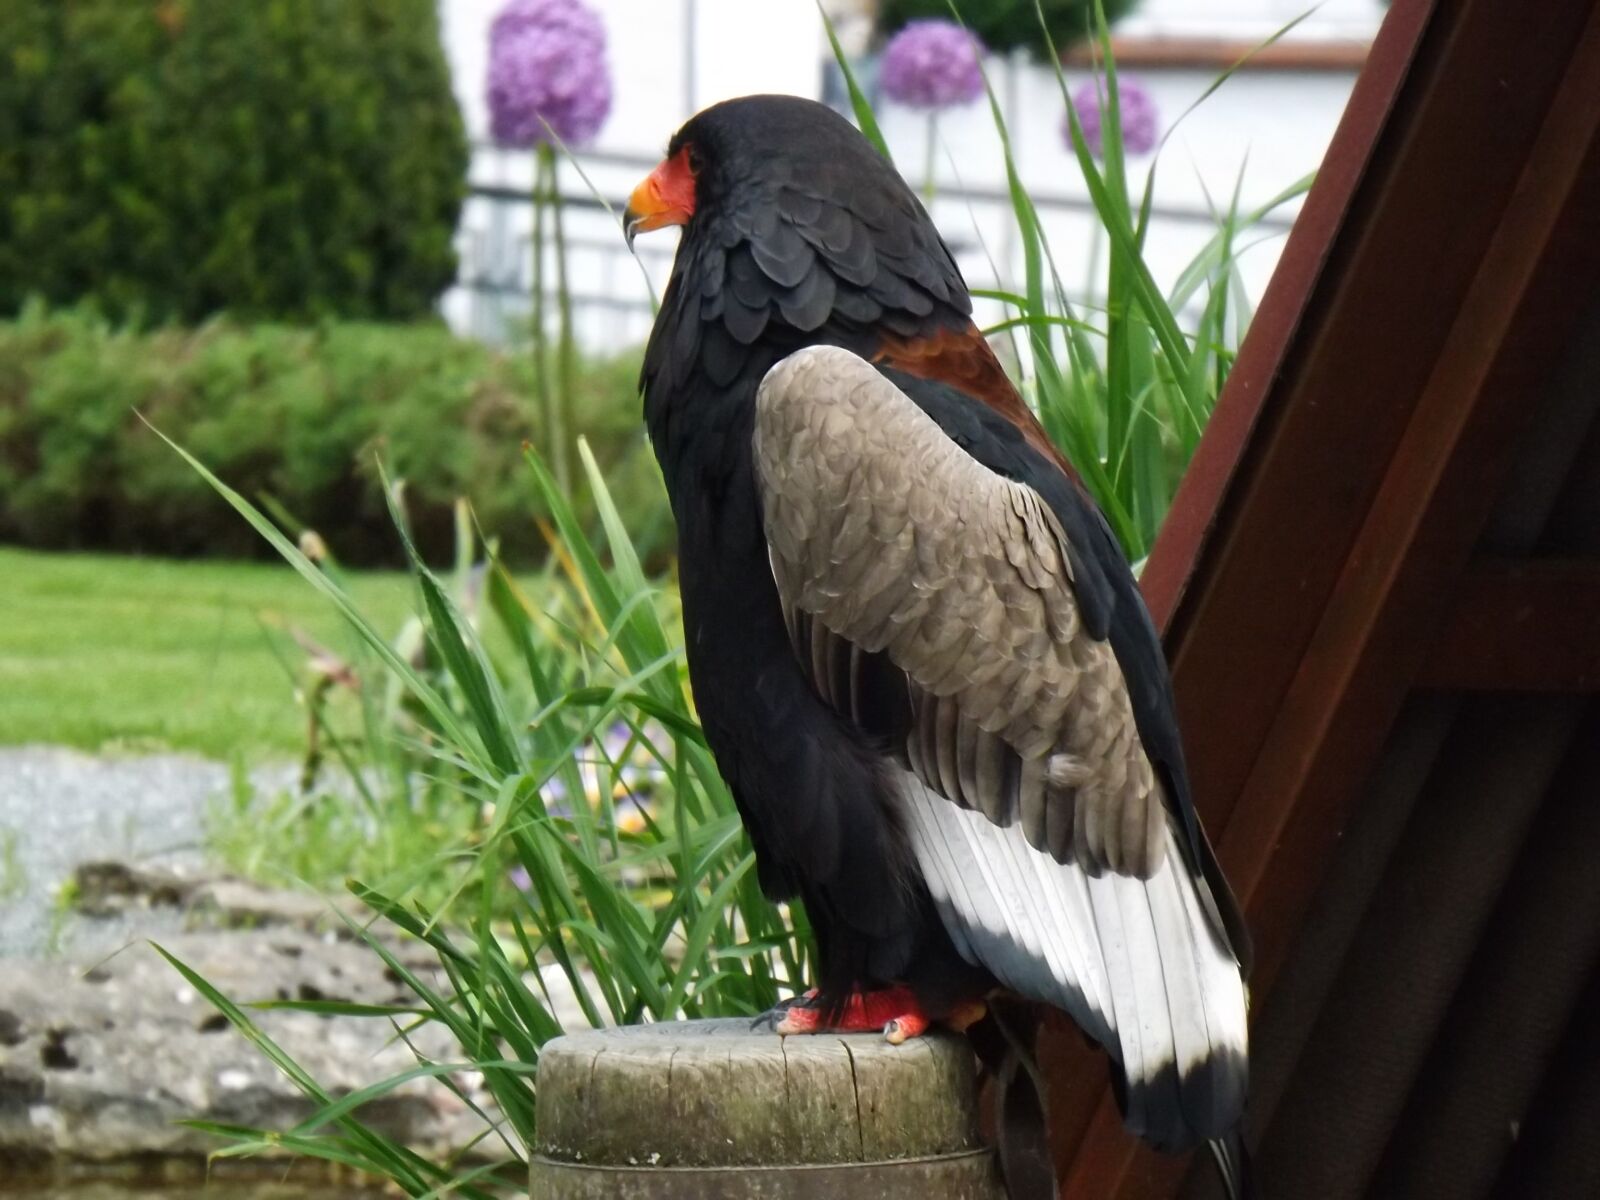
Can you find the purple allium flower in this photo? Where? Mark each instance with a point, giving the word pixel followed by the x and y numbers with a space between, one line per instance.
pixel 1141 123
pixel 520 879
pixel 547 64
pixel 932 64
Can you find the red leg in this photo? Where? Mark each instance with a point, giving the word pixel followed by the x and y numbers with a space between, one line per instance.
pixel 893 1010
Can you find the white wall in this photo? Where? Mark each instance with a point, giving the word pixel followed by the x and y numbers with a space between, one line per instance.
pixel 738 47
pixel 1262 131
pixel 1254 19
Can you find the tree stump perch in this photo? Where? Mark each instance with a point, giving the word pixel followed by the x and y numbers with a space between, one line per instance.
pixel 715 1111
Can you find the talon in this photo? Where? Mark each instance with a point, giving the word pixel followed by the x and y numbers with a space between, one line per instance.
pixel 777 1016
pixel 905 1026
pixel 892 1011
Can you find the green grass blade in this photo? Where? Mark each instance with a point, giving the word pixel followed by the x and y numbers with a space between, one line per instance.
pixel 865 117
pixel 452 634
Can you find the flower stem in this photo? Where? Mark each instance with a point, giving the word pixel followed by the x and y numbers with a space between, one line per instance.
pixel 553 404
pixel 1091 283
pixel 567 347
pixel 541 371
pixel 927 178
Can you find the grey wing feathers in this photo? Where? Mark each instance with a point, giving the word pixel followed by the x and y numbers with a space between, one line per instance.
pixel 885 534
pixel 1032 813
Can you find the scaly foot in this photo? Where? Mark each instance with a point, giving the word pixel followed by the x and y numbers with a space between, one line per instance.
pixel 893 1010
pixel 773 1017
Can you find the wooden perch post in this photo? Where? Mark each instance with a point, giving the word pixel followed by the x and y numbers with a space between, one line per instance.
pixel 711 1110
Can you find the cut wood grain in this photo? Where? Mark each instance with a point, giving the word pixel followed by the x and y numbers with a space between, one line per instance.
pixel 714 1109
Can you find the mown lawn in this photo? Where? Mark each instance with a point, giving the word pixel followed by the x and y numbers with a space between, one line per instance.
pixel 112 653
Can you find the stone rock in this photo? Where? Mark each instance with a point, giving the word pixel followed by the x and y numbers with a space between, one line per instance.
pixel 109 888
pixel 112 888
pixel 240 904
pixel 99 1060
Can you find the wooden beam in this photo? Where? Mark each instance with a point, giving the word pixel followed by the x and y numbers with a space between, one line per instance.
pixel 1531 626
pixel 1089 1143
pixel 1349 371
pixel 1395 582
pixel 1365 431
pixel 1220 464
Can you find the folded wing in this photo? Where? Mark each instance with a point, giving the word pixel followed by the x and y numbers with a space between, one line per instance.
pixel 918 582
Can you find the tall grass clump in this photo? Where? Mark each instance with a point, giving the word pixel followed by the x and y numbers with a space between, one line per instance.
pixel 1126 392
pixel 574 883
pixel 651 910
pixel 1124 389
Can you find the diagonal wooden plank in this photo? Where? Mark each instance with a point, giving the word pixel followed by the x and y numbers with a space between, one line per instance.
pixel 1341 374
pixel 1395 585
pixel 1351 507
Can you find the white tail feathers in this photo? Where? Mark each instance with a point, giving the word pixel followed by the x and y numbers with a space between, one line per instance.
pixel 1133 961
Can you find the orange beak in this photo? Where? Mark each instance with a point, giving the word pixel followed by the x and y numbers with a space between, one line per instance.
pixel 666 197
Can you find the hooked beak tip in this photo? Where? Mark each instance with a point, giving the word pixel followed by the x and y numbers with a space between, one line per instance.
pixel 665 197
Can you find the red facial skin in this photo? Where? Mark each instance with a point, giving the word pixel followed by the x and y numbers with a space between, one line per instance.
pixel 666 197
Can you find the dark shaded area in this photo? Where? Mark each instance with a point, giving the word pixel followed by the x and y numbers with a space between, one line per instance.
pixel 54 1053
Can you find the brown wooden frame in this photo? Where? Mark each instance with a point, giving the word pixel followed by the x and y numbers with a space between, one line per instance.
pixel 1315 567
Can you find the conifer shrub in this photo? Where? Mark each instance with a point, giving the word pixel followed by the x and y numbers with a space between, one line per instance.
pixel 282 159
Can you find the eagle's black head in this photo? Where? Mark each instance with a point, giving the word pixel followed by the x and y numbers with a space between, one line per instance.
pixel 743 153
pixel 795 231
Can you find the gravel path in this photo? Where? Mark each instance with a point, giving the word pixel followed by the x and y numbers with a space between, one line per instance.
pixel 59 808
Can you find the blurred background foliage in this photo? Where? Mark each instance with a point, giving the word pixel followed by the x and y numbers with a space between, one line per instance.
pixel 1011 24
pixel 298 419
pixel 168 159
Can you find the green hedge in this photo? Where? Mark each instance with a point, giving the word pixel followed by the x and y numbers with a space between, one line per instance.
pixel 1007 24
pixel 284 159
pixel 298 415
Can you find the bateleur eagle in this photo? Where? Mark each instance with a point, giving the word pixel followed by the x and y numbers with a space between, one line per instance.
pixel 919 655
